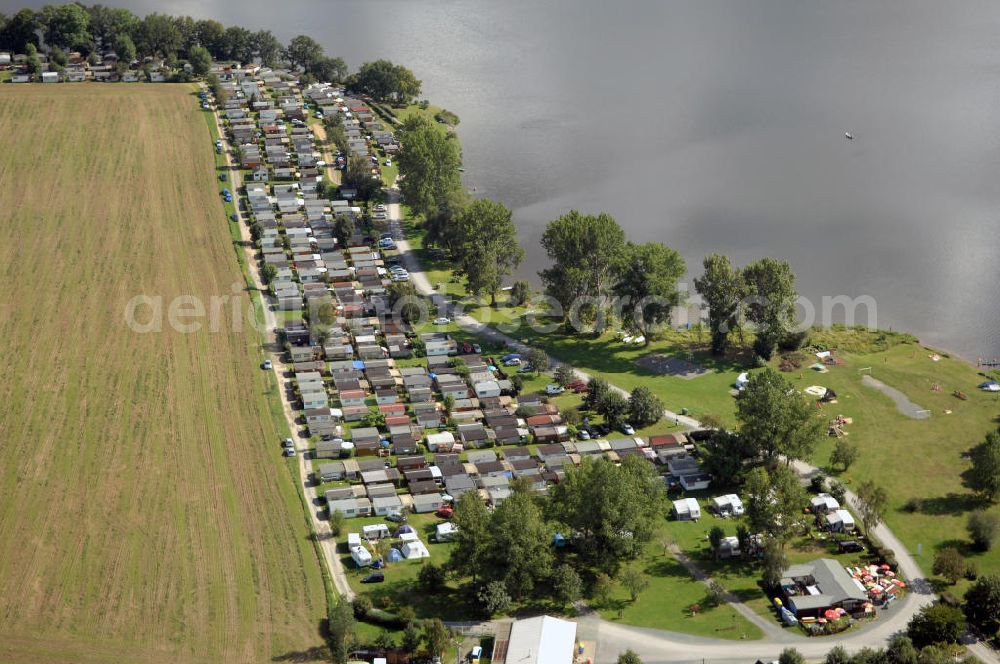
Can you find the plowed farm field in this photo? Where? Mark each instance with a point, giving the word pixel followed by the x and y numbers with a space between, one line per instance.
pixel 145 511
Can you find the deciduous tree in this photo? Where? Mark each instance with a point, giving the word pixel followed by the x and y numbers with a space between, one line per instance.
pixel 774 502
pixel 722 288
pixel 615 509
pixel 983 529
pixel 613 407
pixel 982 605
pixel 634 581
pixel 429 163
pixel 586 253
pixel 303 52
pixel 567 584
pixel 200 59
pixel 937 623
pixel 436 636
pixel 844 453
pixel 771 302
pixel 644 407
pixel 950 564
pixel 485 246
pixel 776 419
pixel 872 503
pixel 648 279
pixel 984 476
pixel 66 25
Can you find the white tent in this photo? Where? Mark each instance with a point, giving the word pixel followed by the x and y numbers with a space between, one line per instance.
pixel 361 556
pixel 415 549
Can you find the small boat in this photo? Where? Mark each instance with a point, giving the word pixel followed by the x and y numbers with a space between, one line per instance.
pixel 848 135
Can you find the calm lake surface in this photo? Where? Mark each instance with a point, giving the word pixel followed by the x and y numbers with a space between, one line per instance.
pixel 718 126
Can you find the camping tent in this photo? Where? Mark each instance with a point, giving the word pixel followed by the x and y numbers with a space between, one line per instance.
pixel 990 386
pixel 394 556
pixel 415 549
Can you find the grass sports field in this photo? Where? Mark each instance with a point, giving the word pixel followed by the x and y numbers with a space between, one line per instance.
pixel 146 514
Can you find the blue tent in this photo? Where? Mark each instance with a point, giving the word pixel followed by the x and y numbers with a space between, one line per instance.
pixel 395 556
pixel 558 540
pixel 990 386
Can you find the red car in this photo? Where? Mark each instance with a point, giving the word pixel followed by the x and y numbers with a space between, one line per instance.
pixel 444 513
pixel 578 386
pixel 467 348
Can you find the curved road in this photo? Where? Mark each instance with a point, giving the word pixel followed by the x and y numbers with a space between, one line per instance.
pixel 659 646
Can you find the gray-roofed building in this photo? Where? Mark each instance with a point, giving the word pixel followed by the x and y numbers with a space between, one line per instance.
pixel 812 588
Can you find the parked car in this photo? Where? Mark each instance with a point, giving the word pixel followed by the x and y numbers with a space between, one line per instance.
pixel 602 429
pixel 381 216
pixel 267 365
pixel 583 434
pixel 396 516
pixel 289 451
pixel 442 320
pixel 467 348
pixel 288 443
pixel 525 368
pixel 223 177
pixel 233 217
pixel 380 208
pixel 627 429
pixel 444 513
pixel 513 362
pixel 849 546
pixel 553 389
pixel 477 349
pixel 577 386
pixel 374 577
pixel 388 162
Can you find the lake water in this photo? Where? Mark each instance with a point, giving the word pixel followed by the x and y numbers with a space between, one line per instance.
pixel 718 126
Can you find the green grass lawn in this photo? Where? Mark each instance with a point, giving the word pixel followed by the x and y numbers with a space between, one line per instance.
pixel 666 603
pixel 400 587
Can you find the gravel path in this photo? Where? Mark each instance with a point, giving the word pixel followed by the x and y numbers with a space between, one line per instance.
pixel 903 403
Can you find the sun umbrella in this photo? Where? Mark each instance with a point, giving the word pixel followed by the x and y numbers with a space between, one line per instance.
pixel 831 614
pixel 884 566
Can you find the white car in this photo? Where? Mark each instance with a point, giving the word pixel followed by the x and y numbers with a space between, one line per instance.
pixel 380 208
pixel 400 278
pixel 443 320
pixel 553 389
pixel 388 162
pixel 628 430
